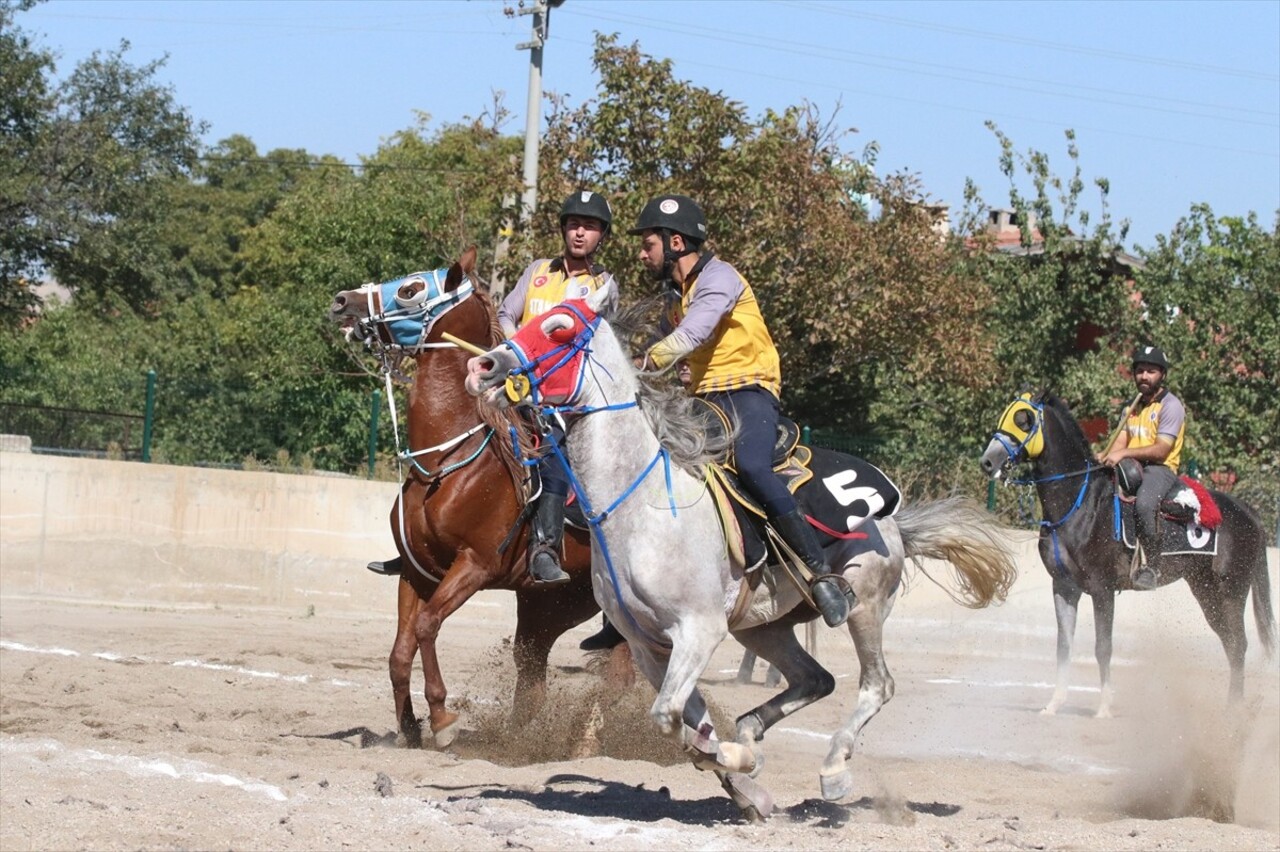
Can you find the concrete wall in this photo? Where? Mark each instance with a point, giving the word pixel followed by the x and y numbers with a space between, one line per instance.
pixel 132 532
pixel 127 532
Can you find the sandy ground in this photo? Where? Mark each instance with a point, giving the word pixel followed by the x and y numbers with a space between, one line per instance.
pixel 127 727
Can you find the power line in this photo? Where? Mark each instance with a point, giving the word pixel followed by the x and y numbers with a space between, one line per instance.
pixel 334 164
pixel 945 72
pixel 847 12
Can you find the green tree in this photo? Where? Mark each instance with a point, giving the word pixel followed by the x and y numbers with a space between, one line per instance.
pixel 1211 299
pixel 86 163
pixel 25 104
pixel 842 291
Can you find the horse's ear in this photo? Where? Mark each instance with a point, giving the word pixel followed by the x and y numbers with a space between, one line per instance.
pixel 1043 394
pixel 463 269
pixel 558 327
pixel 598 300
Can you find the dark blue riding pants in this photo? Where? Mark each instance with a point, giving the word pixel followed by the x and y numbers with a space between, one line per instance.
pixel 550 468
pixel 755 411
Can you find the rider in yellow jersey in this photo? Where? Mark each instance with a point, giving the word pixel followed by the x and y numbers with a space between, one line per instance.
pixel 585 220
pixel 715 325
pixel 1152 433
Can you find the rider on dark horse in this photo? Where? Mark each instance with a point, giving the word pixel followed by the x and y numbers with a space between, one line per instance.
pixel 1151 433
pixel 585 220
pixel 714 324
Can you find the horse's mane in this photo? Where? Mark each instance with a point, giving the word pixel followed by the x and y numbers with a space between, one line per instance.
pixel 1067 422
pixel 501 420
pixel 674 415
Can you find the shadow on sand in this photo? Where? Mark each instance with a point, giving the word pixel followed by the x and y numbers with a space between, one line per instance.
pixel 583 795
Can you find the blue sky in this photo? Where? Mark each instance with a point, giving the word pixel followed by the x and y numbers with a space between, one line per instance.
pixel 1174 102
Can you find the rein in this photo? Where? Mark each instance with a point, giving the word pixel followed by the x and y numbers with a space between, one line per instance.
pixel 595 520
pixel 423 311
pixel 1053 526
pixel 1017 453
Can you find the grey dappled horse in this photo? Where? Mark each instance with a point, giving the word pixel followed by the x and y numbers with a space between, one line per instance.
pixel 659 563
pixel 1080 550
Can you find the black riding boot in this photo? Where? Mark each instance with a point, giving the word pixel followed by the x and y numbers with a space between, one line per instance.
pixel 1147 577
pixel 607 638
pixel 548 533
pixel 390 568
pixel 828 596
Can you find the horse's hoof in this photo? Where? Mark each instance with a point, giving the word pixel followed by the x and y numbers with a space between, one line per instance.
pixel 733 757
pixel 446 731
pixel 446 735
pixel 757 756
pixel 1103 713
pixel 754 801
pixel 837 785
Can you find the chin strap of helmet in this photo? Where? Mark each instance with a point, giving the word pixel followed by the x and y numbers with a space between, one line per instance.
pixel 670 255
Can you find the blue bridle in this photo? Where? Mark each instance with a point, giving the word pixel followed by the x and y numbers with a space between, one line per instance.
pixel 408 320
pixel 1018 453
pixel 565 353
pixel 562 355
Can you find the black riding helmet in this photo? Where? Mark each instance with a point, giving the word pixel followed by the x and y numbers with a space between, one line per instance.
pixel 590 205
pixel 673 214
pixel 1152 355
pixel 677 213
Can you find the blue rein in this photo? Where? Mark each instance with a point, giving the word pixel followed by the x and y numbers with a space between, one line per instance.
pixel 595 520
pixel 1016 452
pixel 1052 526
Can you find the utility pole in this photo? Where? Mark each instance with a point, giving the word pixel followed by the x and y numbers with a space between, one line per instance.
pixel 541 11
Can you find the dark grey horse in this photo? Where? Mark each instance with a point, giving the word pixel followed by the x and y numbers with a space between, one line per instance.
pixel 1082 554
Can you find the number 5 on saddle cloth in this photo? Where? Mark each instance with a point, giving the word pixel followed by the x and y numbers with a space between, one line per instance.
pixel 837 492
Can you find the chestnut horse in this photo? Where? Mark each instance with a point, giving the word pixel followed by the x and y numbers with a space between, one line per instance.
pixel 462 495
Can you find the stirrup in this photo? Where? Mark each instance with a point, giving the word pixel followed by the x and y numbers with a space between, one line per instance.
pixel 843 593
pixel 553 576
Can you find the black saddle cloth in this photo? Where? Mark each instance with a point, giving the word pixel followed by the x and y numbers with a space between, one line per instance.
pixel 839 491
pixel 1178 536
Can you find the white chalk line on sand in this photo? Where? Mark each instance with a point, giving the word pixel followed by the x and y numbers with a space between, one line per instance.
pixel 43 751
pixel 112 657
pixel 1006 684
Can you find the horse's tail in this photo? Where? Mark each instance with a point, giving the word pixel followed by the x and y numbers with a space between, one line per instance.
pixel 959 531
pixel 1237 513
pixel 1263 615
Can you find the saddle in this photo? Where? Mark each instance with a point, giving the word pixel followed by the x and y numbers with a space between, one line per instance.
pixel 1189 515
pixel 838 493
